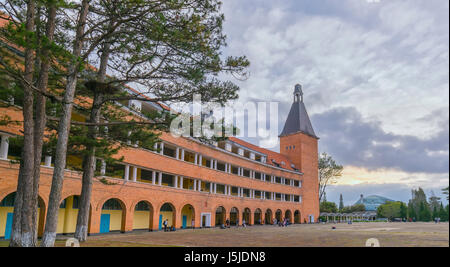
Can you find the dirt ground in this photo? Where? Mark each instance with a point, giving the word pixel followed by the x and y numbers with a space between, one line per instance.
pixel 356 235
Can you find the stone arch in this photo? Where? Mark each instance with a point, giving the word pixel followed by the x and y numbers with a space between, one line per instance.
pixel 168 212
pixel 246 215
pixel 279 215
pixel 258 217
pixel 143 215
pixel 297 217
pixel 268 216
pixel 187 216
pixel 220 215
pixel 113 215
pixel 68 214
pixel 234 216
pixel 288 216
pixel 7 210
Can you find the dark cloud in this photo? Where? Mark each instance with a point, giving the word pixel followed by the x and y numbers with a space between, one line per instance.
pixel 353 141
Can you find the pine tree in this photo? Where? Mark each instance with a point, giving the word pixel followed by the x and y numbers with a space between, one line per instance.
pixel 341 203
pixel 424 212
pixel 443 213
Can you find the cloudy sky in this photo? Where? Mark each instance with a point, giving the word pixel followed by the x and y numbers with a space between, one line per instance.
pixel 375 76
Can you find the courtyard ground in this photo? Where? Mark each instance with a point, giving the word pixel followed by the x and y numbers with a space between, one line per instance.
pixel 319 235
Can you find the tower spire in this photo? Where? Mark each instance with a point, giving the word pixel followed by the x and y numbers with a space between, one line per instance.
pixel 298 120
pixel 298 93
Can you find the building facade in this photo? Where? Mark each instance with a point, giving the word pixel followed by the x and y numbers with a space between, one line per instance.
pixel 186 182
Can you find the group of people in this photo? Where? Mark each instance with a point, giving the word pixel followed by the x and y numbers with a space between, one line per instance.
pixel 282 223
pixel 228 224
pixel 167 228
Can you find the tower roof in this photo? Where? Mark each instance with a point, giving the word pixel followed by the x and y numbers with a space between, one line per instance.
pixel 298 120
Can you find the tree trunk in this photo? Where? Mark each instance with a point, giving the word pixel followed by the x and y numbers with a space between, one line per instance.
pixel 41 118
pixel 88 175
pixel 89 160
pixel 51 224
pixel 22 219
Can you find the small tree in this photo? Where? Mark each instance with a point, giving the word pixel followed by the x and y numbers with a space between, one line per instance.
pixel 330 207
pixel 329 173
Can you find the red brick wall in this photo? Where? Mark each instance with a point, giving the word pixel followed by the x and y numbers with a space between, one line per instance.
pixel 305 156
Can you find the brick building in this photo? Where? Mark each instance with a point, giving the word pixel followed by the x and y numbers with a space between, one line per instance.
pixel 189 183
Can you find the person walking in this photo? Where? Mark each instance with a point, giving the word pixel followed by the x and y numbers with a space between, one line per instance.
pixel 165 223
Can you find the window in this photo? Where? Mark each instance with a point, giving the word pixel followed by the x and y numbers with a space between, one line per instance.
pixel 189 157
pixel 112 204
pixel 206 162
pixel 142 206
pixel 170 152
pixel 220 166
pixel 246 173
pixel 258 194
pixel 220 189
pixel 166 207
pixel 246 192
pixel 287 181
pixel 76 202
pixel 168 180
pixel 268 195
pixel 296 183
pixel 234 191
pixel 278 196
pixel 234 170
pixel 188 184
pixel 146 176
pixel 205 187
pixel 8 201
pixel 278 180
pixel 258 176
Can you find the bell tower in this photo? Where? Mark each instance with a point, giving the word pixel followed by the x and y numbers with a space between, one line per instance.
pixel 299 143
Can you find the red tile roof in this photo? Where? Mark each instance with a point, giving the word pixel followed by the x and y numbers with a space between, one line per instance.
pixel 271 155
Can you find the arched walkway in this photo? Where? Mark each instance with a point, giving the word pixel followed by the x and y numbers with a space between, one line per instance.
pixel 268 216
pixel 246 216
pixel 220 216
pixel 7 213
pixel 68 214
pixel 113 216
pixel 234 216
pixel 279 215
pixel 143 216
pixel 167 213
pixel 188 217
pixel 297 217
pixel 258 217
pixel 288 216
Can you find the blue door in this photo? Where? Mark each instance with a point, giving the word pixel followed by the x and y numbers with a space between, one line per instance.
pixel 8 229
pixel 160 222
pixel 184 222
pixel 105 221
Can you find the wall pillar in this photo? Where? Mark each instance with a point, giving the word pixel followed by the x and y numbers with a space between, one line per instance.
pixel 135 170
pixel 162 149
pixel 4 147
pixel 48 161
pixel 127 173
pixel 103 168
